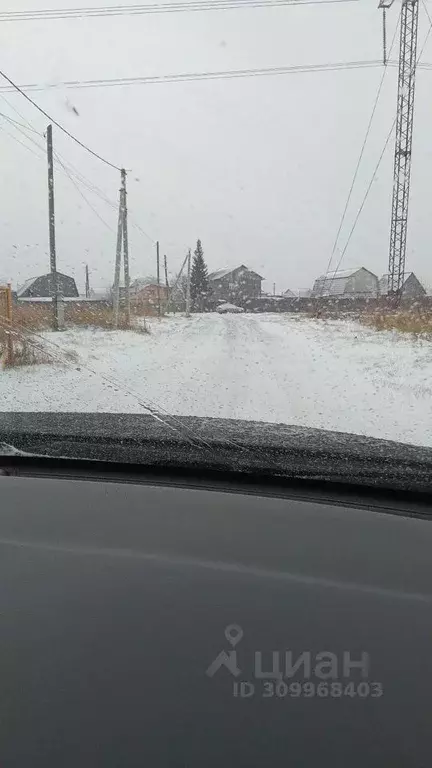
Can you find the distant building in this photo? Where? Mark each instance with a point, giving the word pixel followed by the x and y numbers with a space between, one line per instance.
pixel 297 293
pixel 411 287
pixel 235 284
pixel 144 293
pixel 348 283
pixel 42 287
pixel 149 293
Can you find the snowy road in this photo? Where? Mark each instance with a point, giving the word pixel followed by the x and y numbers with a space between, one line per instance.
pixel 277 368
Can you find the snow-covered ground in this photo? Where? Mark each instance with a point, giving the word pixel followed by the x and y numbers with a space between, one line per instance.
pixel 277 368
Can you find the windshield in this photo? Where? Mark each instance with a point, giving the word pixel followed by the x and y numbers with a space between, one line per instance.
pixel 219 209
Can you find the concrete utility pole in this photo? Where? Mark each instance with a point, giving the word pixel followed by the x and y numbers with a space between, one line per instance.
pixel 176 283
pixel 188 296
pixel 52 246
pixel 166 274
pixel 126 250
pixel 116 286
pixel 158 279
pixel 87 282
pixel 122 237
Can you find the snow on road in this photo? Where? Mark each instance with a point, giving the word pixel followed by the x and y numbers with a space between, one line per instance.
pixel 278 368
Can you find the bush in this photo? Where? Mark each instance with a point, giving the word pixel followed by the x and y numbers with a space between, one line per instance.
pixel 416 320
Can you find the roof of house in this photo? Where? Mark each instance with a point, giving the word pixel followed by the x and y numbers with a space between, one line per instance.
pixel 219 273
pixel 298 293
pixel 28 283
pixel 23 288
pixel 383 281
pixel 141 282
pixel 341 273
pixel 161 286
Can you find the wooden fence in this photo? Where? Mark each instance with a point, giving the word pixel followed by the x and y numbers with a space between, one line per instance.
pixel 6 338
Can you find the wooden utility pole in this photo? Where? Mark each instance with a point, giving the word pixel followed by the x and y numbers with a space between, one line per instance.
pixel 51 218
pixel 126 250
pixel 87 282
pixel 158 278
pixel 188 297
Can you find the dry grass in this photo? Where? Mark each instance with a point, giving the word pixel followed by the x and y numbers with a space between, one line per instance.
pixel 35 317
pixel 39 317
pixel 91 315
pixel 417 321
pixel 25 352
pixel 31 319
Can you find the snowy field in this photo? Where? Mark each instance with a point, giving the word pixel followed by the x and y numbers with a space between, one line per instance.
pixel 276 368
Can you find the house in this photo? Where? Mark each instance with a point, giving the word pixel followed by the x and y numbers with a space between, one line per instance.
pixel 144 291
pixel 348 283
pixel 148 293
pixel 411 287
pixel 42 287
pixel 235 284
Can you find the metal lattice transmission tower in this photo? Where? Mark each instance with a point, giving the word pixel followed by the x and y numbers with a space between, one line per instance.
pixel 403 144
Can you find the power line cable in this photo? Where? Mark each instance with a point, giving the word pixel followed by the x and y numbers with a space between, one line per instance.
pixel 70 172
pixel 376 169
pixel 427 12
pixel 360 158
pixel 17 124
pixel 81 193
pixel 14 109
pixel 190 76
pixel 159 8
pixel 61 127
pixel 15 138
pixel 84 181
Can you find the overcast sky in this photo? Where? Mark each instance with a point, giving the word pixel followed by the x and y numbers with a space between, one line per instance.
pixel 258 168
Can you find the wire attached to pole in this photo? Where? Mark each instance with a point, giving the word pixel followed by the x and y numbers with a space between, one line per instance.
pixel 58 125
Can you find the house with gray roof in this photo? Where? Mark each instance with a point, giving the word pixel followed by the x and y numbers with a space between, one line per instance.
pixel 41 287
pixel 348 283
pixel 235 284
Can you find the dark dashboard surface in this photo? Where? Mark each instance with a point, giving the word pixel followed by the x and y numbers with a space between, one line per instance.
pixel 116 599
